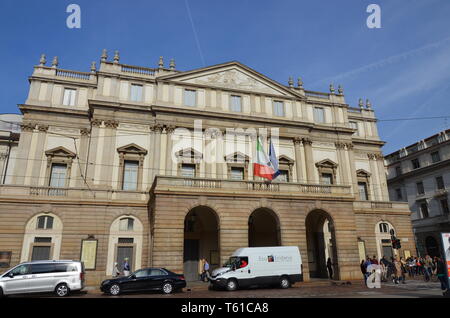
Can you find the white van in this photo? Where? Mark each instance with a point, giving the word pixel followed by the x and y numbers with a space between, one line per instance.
pixel 258 266
pixel 60 277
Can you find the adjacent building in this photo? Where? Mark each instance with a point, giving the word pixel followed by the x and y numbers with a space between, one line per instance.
pixel 420 175
pixel 156 165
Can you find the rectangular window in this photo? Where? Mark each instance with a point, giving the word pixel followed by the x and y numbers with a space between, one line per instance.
pixel 420 189
pixel 319 115
pixel 5 259
pixel 126 224
pixel 440 183
pixel 278 108
pixel 354 125
pixel 435 157
pixel 235 103
pixel 125 240
pixel 69 97
pixel 189 97
pixel 327 178
pixel 130 174
pixel 42 268
pixel 188 170
pixel 58 176
pixel 399 195
pixel 284 176
pixel 398 171
pixel 237 173
pixel 424 210
pixel 363 195
pixel 42 240
pixel 40 253
pixel 444 206
pixel 415 163
pixel 136 93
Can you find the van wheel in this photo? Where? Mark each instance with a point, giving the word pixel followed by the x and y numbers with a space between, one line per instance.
pixel 232 285
pixel 284 282
pixel 62 290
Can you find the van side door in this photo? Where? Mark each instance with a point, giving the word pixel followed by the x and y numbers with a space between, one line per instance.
pixel 42 277
pixel 19 282
pixel 243 272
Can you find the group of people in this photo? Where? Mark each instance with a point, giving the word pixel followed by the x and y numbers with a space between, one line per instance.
pixel 396 269
pixel 125 269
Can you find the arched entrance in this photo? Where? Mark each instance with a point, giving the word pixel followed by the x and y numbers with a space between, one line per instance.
pixel 201 240
pixel 263 228
pixel 432 246
pixel 321 244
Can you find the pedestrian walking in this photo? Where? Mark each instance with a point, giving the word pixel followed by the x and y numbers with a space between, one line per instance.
pixel 428 270
pixel 403 270
pixel 330 268
pixel 115 271
pixel 398 270
pixel 206 275
pixel 126 267
pixel 442 273
pixel 384 267
pixel 363 271
pixel 201 266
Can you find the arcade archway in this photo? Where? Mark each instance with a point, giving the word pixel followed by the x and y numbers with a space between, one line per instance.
pixel 201 240
pixel 263 228
pixel 321 244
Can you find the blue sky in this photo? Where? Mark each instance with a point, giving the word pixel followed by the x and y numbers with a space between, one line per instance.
pixel 403 68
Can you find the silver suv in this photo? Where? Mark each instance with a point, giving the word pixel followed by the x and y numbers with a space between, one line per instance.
pixel 59 277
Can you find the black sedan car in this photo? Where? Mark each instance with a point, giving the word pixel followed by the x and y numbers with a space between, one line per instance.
pixel 145 279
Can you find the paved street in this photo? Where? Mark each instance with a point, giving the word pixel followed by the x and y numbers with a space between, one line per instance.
pixel 315 289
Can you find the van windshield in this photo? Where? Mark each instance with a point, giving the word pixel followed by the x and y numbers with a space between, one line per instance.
pixel 238 262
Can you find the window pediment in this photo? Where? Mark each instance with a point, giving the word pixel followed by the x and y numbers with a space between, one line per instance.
pixel 189 153
pixel 285 160
pixel 132 149
pixel 326 163
pixel 363 173
pixel 60 152
pixel 237 157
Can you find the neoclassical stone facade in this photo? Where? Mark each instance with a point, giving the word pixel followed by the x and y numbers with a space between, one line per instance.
pixel 156 165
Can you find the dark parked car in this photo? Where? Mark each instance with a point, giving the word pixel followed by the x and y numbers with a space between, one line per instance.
pixel 145 279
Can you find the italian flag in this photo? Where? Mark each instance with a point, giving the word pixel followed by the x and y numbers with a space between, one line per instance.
pixel 263 167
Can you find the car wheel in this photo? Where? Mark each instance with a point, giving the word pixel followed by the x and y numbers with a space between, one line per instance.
pixel 284 282
pixel 1 293
pixel 114 290
pixel 167 288
pixel 232 285
pixel 62 290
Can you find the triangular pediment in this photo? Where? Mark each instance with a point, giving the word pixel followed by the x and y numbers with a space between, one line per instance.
pixel 132 148
pixel 234 76
pixel 326 163
pixel 362 173
pixel 60 152
pixel 285 160
pixel 237 157
pixel 189 153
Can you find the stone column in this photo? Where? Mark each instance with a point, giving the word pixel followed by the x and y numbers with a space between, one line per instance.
pixel 109 152
pixel 298 162
pixel 94 145
pixel 169 162
pixel 83 150
pixel 375 176
pixel 158 128
pixel 36 178
pixel 351 160
pixel 309 160
pixel 342 163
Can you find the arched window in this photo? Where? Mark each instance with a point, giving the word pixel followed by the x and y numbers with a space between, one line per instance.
pixel 44 222
pixel 126 224
pixel 384 228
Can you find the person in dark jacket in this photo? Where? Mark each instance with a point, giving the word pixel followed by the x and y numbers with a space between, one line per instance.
pixel 442 274
pixel 330 268
pixel 363 270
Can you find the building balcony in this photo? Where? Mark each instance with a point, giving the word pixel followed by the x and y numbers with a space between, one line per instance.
pixel 28 193
pixel 222 187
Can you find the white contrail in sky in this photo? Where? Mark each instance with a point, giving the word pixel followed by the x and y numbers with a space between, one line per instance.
pixel 384 62
pixel 195 33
